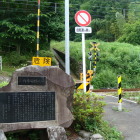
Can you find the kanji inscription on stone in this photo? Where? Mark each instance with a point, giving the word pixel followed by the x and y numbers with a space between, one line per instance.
pixel 24 80
pixel 27 106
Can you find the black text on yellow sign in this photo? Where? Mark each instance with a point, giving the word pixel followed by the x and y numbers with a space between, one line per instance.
pixel 41 61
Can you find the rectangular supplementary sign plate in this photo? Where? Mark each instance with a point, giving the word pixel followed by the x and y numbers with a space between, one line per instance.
pixel 83 29
pixel 31 80
pixel 41 61
pixel 27 106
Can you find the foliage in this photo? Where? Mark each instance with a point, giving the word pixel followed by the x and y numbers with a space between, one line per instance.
pixel 105 79
pixel 133 14
pixel 115 59
pixel 16 34
pixel 16 59
pixel 18 27
pixel 2 84
pixel 73 10
pixel 120 20
pixel 52 28
pixel 131 33
pixel 43 53
pixel 25 134
pixel 103 9
pixel 102 29
pixel 87 110
pixel 7 70
pixel 108 132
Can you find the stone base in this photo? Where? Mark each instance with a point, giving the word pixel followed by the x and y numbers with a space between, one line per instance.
pixel 2 135
pixel 56 133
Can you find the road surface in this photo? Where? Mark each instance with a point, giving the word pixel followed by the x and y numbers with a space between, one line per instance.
pixel 127 121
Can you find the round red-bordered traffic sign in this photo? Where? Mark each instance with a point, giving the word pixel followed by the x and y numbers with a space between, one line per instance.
pixel 82 18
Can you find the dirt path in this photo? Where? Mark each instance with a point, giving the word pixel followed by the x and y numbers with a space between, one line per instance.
pixel 127 121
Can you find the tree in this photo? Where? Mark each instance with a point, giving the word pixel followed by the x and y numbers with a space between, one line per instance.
pixel 15 35
pixel 131 33
pixel 52 28
pixel 18 23
pixel 134 13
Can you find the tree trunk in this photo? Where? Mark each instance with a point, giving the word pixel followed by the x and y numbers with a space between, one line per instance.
pixel 49 42
pixel 18 49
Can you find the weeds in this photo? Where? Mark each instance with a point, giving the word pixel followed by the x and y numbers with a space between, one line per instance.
pixel 88 109
pixel 2 84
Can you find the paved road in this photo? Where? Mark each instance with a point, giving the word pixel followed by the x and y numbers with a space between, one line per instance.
pixel 128 121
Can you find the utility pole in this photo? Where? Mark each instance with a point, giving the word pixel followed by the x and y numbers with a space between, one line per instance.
pixel 124 13
pixel 67 55
pixel 38 24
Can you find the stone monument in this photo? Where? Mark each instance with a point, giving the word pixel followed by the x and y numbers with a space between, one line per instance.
pixel 36 97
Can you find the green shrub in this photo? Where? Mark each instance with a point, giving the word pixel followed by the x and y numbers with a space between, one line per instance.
pixel 25 134
pixel 78 38
pixel 108 132
pixel 44 53
pixel 106 79
pixel 16 59
pixel 87 110
pixel 2 84
pixel 131 33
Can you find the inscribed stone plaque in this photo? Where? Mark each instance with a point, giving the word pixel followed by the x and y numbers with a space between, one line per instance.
pixel 34 106
pixel 31 80
pixel 27 106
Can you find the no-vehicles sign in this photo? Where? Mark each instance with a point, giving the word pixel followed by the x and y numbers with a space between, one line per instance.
pixel 82 18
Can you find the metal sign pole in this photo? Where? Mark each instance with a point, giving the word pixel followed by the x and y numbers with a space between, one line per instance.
pixel 83 18
pixel 67 53
pixel 90 64
pixel 84 61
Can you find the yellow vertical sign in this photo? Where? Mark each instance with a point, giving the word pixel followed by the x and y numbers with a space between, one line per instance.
pixel 41 61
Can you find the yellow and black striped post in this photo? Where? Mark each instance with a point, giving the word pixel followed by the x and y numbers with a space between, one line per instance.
pixel 95 48
pixel 119 93
pixel 38 24
pixel 95 57
pixel 89 76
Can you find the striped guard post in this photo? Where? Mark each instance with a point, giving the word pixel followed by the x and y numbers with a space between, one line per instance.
pixel 89 75
pixel 95 58
pixel 38 24
pixel 81 86
pixel 119 89
pixel 81 76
